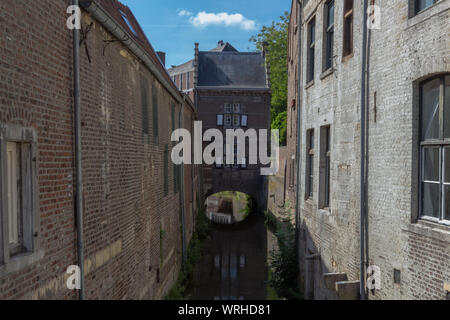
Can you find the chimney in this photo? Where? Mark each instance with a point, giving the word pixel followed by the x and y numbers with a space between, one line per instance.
pixel 162 57
pixel 220 43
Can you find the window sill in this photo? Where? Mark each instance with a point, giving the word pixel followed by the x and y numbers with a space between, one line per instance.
pixel 430 229
pixel 19 262
pixel 327 73
pixel 309 84
pixel 347 57
pixel 427 13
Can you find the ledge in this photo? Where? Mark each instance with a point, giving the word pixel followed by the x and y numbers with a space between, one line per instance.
pixel 309 84
pixel 427 13
pixel 429 230
pixel 327 73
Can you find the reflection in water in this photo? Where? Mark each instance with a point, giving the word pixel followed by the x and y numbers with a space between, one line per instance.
pixel 234 264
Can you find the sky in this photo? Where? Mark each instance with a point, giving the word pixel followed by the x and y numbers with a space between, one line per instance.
pixel 173 26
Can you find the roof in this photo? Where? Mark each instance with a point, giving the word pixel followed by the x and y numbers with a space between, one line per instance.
pixel 185 67
pixel 125 18
pixel 232 70
pixel 223 47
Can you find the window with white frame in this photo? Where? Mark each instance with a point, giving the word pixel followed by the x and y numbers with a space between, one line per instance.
pixel 236 108
pixel 228 120
pixel 236 120
pixel 228 108
pixel 17 212
pixel 435 149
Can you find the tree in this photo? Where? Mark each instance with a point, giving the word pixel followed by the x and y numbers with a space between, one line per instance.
pixel 276 38
pixel 280 123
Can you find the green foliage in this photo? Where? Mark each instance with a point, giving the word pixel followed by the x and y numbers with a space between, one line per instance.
pixel 276 38
pixel 280 123
pixel 180 291
pixel 248 206
pixel 283 261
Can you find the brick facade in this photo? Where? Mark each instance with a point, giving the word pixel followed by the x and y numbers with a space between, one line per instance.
pixel 408 49
pixel 133 246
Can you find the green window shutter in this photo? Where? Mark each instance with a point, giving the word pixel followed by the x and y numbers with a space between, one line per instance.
pixel 155 113
pixel 144 102
pixel 166 170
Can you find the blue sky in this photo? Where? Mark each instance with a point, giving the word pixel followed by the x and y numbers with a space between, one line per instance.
pixel 174 26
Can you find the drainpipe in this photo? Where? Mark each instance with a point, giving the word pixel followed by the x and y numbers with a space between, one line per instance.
pixel 299 117
pixel 362 288
pixel 79 177
pixel 183 218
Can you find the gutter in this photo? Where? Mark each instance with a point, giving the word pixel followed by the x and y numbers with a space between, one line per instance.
pixel 183 218
pixel 362 282
pixel 299 121
pixel 117 30
pixel 78 156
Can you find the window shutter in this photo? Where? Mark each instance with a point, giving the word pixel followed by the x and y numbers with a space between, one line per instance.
pixel 166 170
pixel 220 119
pixel 155 113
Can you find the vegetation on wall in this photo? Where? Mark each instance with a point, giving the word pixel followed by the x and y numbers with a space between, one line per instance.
pixel 283 261
pixel 180 291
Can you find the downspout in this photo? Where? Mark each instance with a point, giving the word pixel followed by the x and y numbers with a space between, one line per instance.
pixel 181 182
pixel 299 119
pixel 79 177
pixel 362 288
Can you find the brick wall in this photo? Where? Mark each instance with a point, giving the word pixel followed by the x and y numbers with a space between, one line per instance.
pixel 131 228
pixel 405 51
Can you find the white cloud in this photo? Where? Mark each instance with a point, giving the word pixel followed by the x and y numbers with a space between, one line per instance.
pixel 204 19
pixel 183 13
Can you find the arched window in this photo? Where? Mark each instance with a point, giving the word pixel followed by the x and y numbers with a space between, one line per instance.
pixel 435 149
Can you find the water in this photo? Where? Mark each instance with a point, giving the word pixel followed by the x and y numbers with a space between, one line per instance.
pixel 234 263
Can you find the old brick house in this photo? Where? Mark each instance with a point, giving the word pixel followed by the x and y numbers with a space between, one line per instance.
pixel 232 91
pixel 406 152
pixel 135 200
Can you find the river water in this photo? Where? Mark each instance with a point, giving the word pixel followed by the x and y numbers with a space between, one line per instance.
pixel 234 264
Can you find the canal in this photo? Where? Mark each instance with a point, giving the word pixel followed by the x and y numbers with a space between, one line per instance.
pixel 234 264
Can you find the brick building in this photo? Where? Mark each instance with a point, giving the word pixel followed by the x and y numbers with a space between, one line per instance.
pixel 135 200
pixel 232 91
pixel 405 186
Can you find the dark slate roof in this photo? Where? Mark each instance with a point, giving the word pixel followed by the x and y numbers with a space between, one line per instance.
pixel 222 47
pixel 231 70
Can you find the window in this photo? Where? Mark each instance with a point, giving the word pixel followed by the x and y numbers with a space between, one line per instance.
pixel 228 108
pixel 311 48
pixel 435 149
pixel 244 120
pixel 236 108
pixel 228 120
pixel 188 80
pixel 310 164
pixel 329 35
pixel 125 18
pixel 220 119
pixel 181 81
pixel 166 170
pixel 348 27
pixel 325 165
pixel 18 215
pixel 236 120
pixel 155 113
pixel 144 102
pixel 292 173
pixel 420 5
